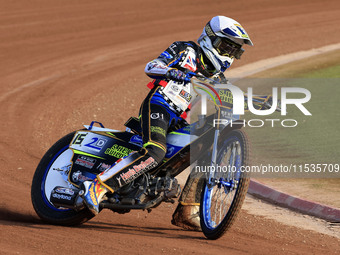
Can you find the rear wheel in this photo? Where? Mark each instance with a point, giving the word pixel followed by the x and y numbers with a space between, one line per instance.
pixel 225 188
pixel 53 171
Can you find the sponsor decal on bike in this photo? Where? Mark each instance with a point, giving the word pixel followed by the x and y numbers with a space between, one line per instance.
pixel 93 194
pixel 64 169
pixel 61 196
pixel 136 170
pixel 85 161
pixel 169 152
pixel 65 191
pixel 118 151
pixel 103 167
pixel 96 144
pixel 79 177
pixel 226 96
pixel 89 140
pixel 136 139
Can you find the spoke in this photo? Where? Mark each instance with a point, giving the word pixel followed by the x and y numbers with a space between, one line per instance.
pixel 216 203
pixel 222 195
pixel 213 202
pixel 221 206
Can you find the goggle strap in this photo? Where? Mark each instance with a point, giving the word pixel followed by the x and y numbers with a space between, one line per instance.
pixel 209 30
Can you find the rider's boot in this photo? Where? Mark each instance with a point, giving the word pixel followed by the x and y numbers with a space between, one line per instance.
pixel 186 214
pixel 93 195
pixel 187 217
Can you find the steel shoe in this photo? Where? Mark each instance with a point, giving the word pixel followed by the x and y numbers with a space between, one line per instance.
pixel 94 192
pixel 187 217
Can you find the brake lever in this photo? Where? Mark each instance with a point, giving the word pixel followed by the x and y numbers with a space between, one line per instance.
pixel 268 106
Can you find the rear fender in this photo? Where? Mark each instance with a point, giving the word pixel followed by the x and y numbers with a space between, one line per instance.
pixel 96 150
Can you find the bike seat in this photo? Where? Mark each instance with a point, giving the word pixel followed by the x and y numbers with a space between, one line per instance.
pixel 134 124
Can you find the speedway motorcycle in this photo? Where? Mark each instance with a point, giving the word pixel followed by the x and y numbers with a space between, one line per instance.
pixel 208 146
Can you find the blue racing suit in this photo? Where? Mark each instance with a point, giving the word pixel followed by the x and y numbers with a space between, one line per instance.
pixel 158 112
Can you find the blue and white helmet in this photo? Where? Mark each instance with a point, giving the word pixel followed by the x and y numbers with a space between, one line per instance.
pixel 221 40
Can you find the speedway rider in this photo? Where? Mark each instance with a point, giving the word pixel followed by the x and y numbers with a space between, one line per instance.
pixel 219 44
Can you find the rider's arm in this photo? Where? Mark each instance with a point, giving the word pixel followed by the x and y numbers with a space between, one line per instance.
pixel 158 67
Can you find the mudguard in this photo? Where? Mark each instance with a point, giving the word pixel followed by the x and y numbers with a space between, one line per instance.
pixel 96 151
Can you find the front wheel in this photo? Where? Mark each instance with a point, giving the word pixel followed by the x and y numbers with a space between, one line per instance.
pixel 53 171
pixel 225 188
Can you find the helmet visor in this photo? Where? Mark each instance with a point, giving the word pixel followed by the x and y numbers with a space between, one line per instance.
pixel 226 47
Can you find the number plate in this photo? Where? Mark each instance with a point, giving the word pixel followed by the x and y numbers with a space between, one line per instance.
pixel 88 142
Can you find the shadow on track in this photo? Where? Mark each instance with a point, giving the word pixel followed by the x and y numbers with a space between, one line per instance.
pixel 159 232
pixel 8 215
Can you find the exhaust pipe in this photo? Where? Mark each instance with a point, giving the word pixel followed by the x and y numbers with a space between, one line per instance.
pixel 67 198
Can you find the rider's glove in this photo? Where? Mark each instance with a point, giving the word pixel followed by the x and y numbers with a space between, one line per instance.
pixel 175 75
pixel 178 75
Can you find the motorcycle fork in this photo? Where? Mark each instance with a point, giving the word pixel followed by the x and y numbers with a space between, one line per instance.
pixel 213 156
pixel 221 183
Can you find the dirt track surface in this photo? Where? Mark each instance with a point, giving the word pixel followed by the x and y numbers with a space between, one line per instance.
pixel 66 63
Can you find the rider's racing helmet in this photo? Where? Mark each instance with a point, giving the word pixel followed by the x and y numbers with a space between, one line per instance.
pixel 222 41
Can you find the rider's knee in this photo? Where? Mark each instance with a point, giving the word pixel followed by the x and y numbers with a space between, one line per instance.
pixel 155 151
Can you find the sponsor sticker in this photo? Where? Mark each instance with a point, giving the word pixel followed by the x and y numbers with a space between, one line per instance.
pixel 137 170
pixel 79 177
pixel 169 152
pixel 88 140
pixel 96 143
pixel 136 139
pixel 65 191
pixel 102 167
pixel 85 161
pixel 61 196
pixel 118 151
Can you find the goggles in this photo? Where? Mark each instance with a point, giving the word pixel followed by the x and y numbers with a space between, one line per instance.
pixel 226 47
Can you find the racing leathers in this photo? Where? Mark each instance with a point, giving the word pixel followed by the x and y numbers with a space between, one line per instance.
pixel 158 112
pixel 161 110
pixel 188 57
